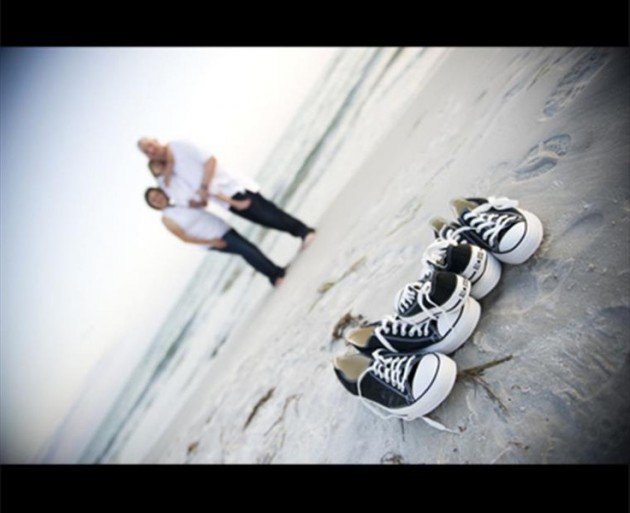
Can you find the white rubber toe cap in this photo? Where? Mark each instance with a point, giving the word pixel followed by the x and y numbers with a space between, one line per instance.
pixel 432 384
pixel 425 374
pixel 529 240
pixel 513 237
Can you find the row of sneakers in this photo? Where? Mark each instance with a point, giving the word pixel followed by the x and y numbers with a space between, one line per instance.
pixel 400 367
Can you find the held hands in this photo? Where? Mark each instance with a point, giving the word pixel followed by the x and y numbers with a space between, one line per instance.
pixel 203 194
pixel 197 204
pixel 219 244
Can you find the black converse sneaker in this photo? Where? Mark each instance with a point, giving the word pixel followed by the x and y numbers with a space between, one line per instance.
pixel 445 334
pixel 440 293
pixel 497 225
pixel 400 385
pixel 451 252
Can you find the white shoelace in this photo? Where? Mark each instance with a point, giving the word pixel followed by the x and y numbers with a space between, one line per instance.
pixel 418 291
pixel 395 371
pixel 436 252
pixel 488 226
pixel 454 234
pixel 391 325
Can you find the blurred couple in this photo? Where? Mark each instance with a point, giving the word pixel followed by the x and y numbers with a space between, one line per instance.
pixel 188 178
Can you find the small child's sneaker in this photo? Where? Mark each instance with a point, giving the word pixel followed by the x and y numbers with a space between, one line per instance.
pixel 496 224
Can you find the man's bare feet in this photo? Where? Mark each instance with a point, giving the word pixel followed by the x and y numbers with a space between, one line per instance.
pixel 307 241
pixel 278 281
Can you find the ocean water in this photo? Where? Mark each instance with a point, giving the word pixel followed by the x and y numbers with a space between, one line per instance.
pixel 354 104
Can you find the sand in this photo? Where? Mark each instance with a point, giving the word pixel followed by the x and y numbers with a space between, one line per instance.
pixel 548 127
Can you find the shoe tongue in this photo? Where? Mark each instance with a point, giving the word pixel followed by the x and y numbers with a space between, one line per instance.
pixel 443 232
pixel 447 229
pixel 463 213
pixel 477 201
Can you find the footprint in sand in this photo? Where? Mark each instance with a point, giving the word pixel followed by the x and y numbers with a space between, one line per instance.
pixel 523 294
pixel 575 82
pixel 612 321
pixel 531 285
pixel 577 236
pixel 552 273
pixel 543 157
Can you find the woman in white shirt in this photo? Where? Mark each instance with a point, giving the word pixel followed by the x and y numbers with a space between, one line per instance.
pixel 198 226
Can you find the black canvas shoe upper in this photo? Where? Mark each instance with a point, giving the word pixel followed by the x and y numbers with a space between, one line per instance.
pixel 387 381
pixel 418 296
pixel 396 335
pixel 490 223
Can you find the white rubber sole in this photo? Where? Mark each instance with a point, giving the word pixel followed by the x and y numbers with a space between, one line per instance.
pixel 440 387
pixel 528 245
pixel 489 279
pixel 461 325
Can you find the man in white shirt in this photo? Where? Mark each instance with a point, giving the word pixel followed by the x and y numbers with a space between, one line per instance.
pixel 197 226
pixel 200 177
pixel 181 194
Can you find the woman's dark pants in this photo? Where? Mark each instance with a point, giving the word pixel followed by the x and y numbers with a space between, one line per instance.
pixel 239 245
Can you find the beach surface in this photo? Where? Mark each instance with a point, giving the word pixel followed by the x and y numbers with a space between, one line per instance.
pixel 547 127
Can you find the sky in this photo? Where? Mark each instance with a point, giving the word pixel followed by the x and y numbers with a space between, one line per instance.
pixel 87 271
